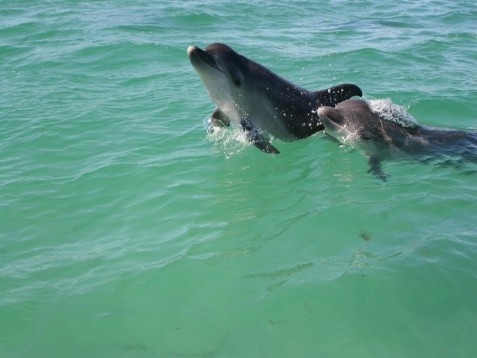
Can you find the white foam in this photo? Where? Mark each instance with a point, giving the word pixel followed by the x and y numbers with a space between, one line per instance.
pixel 229 140
pixel 390 111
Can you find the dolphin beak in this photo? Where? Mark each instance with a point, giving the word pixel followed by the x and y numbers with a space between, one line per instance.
pixel 330 118
pixel 190 50
pixel 199 57
pixel 331 114
pixel 323 114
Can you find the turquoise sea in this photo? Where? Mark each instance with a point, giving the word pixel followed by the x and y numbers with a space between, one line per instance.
pixel 127 231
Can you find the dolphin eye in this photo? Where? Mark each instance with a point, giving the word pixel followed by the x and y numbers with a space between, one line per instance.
pixel 366 136
pixel 235 80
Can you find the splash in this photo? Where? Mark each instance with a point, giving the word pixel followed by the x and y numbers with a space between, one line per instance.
pixel 230 141
pixel 386 109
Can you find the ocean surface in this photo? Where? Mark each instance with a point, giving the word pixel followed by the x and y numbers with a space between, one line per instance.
pixel 127 231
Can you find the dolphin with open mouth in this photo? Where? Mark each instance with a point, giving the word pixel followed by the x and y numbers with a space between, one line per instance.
pixel 262 103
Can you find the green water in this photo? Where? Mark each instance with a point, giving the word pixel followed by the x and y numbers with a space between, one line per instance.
pixel 126 231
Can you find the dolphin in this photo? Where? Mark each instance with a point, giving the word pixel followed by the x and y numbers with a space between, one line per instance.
pixel 381 137
pixel 251 96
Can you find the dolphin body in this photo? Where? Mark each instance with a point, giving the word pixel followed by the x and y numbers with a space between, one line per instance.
pixel 250 95
pixel 353 121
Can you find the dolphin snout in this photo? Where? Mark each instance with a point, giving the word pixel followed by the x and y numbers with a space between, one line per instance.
pixel 190 49
pixel 330 114
pixel 324 113
pixel 321 112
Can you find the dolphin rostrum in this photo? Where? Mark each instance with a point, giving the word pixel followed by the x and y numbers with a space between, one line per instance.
pixel 262 103
pixel 381 136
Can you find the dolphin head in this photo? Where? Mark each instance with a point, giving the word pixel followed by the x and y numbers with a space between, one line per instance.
pixel 353 121
pixel 216 57
pixel 345 122
pixel 222 71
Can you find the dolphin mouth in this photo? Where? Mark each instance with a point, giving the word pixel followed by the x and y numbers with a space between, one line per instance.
pixel 336 125
pixel 330 119
pixel 199 57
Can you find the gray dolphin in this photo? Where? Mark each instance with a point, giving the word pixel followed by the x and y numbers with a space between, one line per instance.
pixel 354 122
pixel 248 94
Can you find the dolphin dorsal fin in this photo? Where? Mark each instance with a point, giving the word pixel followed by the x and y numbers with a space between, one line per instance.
pixel 336 94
